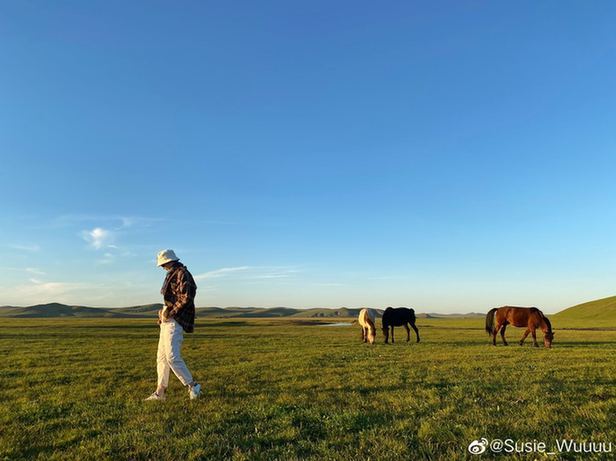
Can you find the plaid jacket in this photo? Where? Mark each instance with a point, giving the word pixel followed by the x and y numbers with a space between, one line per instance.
pixel 179 292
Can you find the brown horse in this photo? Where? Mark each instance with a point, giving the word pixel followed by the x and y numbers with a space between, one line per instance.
pixel 529 317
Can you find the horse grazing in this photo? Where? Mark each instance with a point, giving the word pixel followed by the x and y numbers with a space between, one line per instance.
pixel 401 316
pixel 529 317
pixel 367 322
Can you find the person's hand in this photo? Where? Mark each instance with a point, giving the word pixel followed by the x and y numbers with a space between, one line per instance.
pixel 166 315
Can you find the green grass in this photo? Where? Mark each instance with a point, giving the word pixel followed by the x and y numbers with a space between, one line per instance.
pixel 286 389
pixel 600 313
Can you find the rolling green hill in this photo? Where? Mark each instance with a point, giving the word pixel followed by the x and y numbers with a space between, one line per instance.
pixel 317 312
pixel 150 309
pixel 434 315
pixel 53 310
pixel 594 314
pixel 600 313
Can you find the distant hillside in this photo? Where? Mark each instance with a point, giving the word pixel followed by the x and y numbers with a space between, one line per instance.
pixel 261 312
pixel 216 312
pixel 145 309
pixel 53 310
pixel 343 312
pixel 594 314
pixel 150 310
pixel 599 313
pixel 56 310
pixel 433 315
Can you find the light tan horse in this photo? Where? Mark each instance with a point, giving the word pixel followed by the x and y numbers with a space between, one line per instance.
pixel 367 322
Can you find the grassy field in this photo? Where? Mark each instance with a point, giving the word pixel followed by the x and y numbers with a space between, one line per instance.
pixel 293 389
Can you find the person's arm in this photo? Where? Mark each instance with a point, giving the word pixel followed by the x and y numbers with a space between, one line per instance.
pixel 185 292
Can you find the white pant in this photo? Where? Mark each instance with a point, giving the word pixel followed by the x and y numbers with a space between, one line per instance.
pixel 169 357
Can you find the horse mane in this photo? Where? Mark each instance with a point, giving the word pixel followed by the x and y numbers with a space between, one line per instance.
pixel 547 321
pixel 544 318
pixel 371 324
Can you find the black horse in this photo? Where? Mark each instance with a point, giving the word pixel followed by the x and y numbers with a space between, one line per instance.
pixel 401 316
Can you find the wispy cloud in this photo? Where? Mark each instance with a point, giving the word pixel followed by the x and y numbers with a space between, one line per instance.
pixel 124 291
pixel 98 237
pixel 108 229
pixel 116 222
pixel 30 247
pixel 74 292
pixel 250 272
pixel 274 272
pixel 30 270
pixel 108 258
pixel 222 272
pixel 280 275
pixel 134 221
pixel 48 291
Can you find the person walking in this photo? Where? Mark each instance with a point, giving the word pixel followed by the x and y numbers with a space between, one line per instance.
pixel 176 317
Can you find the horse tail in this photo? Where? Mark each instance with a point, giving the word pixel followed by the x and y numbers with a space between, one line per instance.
pixel 412 316
pixel 490 321
pixel 385 317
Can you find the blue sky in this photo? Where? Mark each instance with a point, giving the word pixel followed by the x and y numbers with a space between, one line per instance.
pixel 451 156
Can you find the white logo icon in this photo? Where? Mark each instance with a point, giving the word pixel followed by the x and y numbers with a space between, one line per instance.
pixel 477 447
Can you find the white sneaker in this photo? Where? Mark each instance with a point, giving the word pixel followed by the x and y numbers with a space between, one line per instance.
pixel 156 396
pixel 194 391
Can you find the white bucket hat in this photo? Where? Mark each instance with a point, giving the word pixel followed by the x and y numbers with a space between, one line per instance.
pixel 165 256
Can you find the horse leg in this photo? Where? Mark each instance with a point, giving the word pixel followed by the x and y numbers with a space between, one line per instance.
pixel 392 333
pixel 494 333
pixel 502 332
pixel 363 334
pixel 416 331
pixel 526 333
pixel 408 332
pixel 534 333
